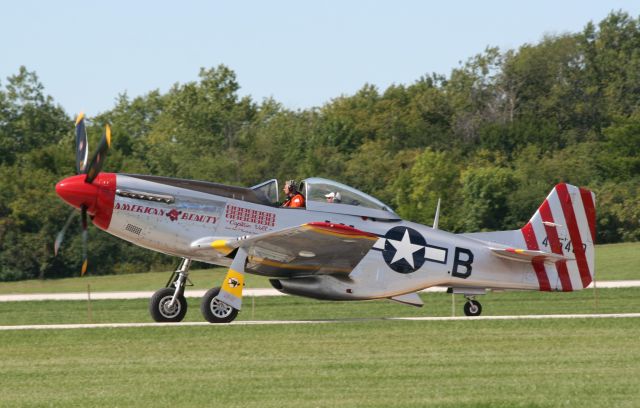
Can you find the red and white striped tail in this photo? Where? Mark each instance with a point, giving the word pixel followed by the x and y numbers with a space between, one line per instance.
pixel 564 224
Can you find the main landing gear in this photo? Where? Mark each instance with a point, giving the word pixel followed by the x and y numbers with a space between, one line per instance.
pixel 216 311
pixel 169 304
pixel 222 304
pixel 219 304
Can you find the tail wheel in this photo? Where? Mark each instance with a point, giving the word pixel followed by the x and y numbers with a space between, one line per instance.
pixel 472 308
pixel 215 311
pixel 163 311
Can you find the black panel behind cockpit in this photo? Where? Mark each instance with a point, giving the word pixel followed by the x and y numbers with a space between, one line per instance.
pixel 237 193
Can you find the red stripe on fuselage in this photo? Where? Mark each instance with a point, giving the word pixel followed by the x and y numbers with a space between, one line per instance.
pixel 556 247
pixel 538 266
pixel 574 233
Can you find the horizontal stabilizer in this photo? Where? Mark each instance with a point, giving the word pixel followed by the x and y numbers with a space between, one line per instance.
pixel 412 299
pixel 528 255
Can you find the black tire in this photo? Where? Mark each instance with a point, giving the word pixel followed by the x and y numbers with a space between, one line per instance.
pixel 159 310
pixel 472 308
pixel 214 311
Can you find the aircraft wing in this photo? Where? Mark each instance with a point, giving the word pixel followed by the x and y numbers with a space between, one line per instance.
pixel 526 255
pixel 310 249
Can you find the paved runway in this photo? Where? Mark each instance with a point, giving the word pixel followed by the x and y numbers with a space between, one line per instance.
pixel 200 293
pixel 282 322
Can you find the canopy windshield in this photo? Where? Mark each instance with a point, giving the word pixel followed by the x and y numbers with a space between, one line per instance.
pixel 330 196
pixel 267 191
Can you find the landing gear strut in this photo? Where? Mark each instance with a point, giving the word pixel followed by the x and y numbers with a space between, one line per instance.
pixel 222 304
pixel 169 304
pixel 472 307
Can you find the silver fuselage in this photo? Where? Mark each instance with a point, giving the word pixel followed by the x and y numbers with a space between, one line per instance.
pixel 173 227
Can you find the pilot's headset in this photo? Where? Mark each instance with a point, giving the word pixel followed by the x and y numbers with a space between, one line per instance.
pixel 292 185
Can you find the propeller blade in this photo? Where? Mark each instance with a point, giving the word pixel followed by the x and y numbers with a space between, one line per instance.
pixel 95 165
pixel 84 240
pixel 60 236
pixel 82 145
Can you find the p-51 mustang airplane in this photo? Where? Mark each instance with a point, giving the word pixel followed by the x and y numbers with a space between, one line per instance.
pixel 354 249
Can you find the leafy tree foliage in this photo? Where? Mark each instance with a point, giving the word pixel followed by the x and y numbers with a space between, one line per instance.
pixel 490 139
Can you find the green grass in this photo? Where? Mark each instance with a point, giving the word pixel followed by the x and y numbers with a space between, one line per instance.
pixel 618 261
pixel 548 363
pixel 361 360
pixel 613 262
pixel 201 279
pixel 297 308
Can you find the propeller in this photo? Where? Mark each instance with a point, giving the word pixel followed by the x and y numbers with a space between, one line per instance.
pixel 95 165
pixel 91 169
pixel 85 260
pixel 82 145
pixel 60 236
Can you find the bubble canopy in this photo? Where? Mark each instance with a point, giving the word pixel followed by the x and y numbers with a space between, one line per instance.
pixel 330 196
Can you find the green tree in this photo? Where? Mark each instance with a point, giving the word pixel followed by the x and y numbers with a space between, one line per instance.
pixel 618 211
pixel 28 118
pixel 485 196
pixel 433 175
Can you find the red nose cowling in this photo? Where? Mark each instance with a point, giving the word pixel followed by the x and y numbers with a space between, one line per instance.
pixel 98 196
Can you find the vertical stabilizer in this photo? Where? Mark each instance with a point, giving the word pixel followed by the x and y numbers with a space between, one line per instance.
pixel 564 224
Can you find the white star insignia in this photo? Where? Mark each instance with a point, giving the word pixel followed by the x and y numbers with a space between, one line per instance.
pixel 404 249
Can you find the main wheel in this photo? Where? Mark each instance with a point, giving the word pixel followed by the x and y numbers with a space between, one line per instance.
pixel 161 309
pixel 472 308
pixel 215 311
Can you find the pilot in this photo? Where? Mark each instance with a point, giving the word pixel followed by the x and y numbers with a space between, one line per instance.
pixel 294 198
pixel 333 197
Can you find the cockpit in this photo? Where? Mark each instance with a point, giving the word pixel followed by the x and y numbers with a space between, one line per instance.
pixel 332 197
pixel 317 191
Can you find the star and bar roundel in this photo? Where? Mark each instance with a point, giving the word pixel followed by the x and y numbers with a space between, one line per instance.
pixel 405 250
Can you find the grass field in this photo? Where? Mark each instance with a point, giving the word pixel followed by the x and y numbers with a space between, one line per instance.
pixel 296 308
pixel 201 279
pixel 613 262
pixel 360 360
pixel 548 363
pixel 618 261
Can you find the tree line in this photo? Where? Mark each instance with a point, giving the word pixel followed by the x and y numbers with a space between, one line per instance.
pixel 490 139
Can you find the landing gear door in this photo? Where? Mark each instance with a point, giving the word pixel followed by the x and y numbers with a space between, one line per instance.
pixel 268 191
